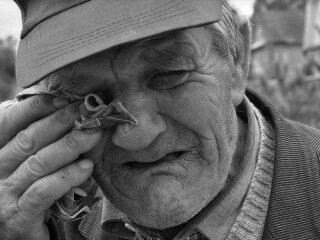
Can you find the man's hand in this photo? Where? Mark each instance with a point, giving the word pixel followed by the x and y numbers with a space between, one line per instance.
pixel 37 154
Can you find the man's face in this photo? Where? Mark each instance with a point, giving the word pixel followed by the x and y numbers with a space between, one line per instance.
pixel 165 170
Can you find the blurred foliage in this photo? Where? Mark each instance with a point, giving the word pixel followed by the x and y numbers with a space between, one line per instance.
pixel 8 83
pixel 298 100
pixel 262 5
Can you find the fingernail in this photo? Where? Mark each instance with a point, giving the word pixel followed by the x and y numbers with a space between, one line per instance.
pixel 60 102
pixel 86 164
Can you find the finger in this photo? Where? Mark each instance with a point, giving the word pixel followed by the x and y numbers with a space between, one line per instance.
pixel 22 114
pixel 35 137
pixel 42 194
pixel 96 154
pixel 52 158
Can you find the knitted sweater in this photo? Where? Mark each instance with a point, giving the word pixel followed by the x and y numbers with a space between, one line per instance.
pixel 249 224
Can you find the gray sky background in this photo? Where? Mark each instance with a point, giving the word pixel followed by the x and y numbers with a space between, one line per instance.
pixel 10 18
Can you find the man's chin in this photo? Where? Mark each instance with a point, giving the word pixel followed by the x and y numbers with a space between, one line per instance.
pixel 161 203
pixel 146 186
pixel 153 194
pixel 162 221
pixel 160 209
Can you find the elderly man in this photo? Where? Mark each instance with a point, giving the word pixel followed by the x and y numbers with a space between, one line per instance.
pixel 150 100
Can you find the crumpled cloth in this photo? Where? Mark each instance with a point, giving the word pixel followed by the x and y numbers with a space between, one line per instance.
pixel 80 200
pixel 76 203
pixel 41 89
pixel 99 116
pixel 96 114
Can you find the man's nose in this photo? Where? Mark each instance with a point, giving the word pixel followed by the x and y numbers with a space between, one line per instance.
pixel 150 124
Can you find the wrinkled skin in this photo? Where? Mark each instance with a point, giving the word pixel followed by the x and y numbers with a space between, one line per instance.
pixel 183 94
pixel 160 172
pixel 38 154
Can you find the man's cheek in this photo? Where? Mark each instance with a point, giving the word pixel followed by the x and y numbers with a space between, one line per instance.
pixel 192 107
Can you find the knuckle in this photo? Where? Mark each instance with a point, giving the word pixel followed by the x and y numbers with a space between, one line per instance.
pixel 35 104
pixel 35 166
pixel 8 213
pixel 37 194
pixel 25 142
pixel 73 139
pixel 6 188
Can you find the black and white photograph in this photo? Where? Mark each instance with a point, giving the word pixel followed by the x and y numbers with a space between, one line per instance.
pixel 159 119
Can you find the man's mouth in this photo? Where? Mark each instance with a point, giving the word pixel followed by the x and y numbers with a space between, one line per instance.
pixel 167 158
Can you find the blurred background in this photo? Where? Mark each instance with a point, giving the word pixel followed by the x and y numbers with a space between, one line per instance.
pixel 285 59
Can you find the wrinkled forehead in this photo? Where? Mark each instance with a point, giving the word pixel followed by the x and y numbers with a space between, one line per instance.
pixel 168 51
pixel 161 51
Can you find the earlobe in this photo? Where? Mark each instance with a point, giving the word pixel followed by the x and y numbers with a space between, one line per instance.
pixel 241 63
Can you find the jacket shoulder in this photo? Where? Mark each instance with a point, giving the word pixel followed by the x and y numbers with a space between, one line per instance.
pixel 311 133
pixel 287 130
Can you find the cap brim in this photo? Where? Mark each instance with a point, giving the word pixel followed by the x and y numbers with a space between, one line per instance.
pixel 99 25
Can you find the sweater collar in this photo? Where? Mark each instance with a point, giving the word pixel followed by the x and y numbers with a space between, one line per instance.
pixel 294 202
pixel 216 220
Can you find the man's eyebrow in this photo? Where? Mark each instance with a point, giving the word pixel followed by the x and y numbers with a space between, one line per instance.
pixel 170 60
pixel 178 54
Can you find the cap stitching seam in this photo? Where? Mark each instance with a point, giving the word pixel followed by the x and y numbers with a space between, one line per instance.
pixel 107 27
pixel 104 36
pixel 109 33
pixel 82 40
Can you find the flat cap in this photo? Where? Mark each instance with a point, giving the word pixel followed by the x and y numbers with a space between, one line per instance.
pixel 59 32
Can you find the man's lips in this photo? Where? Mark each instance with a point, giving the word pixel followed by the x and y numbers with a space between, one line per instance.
pixel 167 158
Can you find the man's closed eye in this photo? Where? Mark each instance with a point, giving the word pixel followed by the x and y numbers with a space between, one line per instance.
pixel 168 80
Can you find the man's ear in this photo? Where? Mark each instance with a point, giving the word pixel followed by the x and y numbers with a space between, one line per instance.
pixel 241 63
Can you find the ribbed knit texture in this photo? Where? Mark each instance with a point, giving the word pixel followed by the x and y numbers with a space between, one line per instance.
pixel 249 224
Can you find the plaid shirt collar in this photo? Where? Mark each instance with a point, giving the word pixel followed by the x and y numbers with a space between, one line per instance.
pixel 127 229
pixel 94 227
